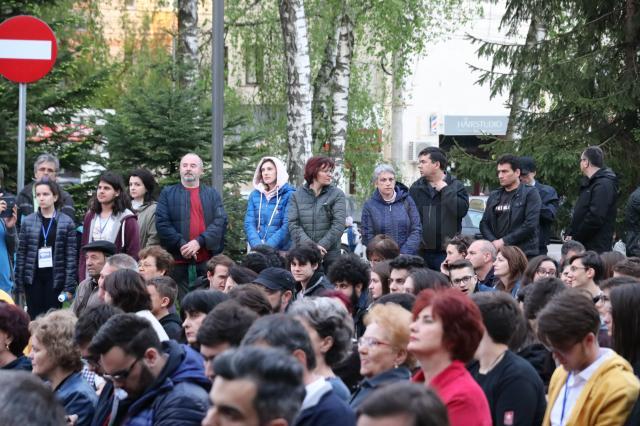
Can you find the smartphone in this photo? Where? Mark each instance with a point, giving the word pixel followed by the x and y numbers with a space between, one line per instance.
pixel 11 201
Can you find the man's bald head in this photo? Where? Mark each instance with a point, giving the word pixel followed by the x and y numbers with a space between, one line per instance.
pixel 191 169
pixel 481 253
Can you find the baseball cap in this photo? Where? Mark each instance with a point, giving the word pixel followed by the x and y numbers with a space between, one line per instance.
pixel 275 279
pixel 104 246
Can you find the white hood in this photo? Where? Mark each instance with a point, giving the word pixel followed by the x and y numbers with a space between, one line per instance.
pixel 282 176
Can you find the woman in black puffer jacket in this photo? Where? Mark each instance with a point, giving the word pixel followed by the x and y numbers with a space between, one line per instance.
pixel 46 261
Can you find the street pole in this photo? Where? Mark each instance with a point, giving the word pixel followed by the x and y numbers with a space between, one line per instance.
pixel 217 95
pixel 22 125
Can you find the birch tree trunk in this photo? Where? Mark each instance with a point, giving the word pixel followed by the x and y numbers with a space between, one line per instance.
pixel 299 95
pixel 340 98
pixel 187 48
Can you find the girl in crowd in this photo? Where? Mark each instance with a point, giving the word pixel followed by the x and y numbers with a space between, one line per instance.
pixel 195 307
pixel 318 209
pixel 540 267
pixel 391 211
pixel 445 333
pixel 110 218
pixel 379 280
pixel 56 358
pixel 14 336
pixel 422 278
pixel 383 350
pixel 330 329
pixel 509 266
pixel 142 188
pixel 456 250
pixel 266 219
pixel 47 250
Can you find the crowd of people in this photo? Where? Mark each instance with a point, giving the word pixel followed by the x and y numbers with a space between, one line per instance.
pixel 134 315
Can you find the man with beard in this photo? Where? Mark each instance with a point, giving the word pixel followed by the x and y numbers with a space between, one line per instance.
pixel 191 223
pixel 164 382
pixel 278 285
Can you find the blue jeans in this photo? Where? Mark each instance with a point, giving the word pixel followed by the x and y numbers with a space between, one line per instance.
pixel 433 259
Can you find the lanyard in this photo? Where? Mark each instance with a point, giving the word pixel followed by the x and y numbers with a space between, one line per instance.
pixel 46 233
pixel 564 398
pixel 101 226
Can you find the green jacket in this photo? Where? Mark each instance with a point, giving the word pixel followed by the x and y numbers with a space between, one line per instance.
pixel 147 224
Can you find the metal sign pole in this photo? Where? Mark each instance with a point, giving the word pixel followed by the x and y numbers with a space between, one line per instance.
pixel 22 127
pixel 217 95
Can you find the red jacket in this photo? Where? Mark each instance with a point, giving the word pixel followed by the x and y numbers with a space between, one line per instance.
pixel 465 401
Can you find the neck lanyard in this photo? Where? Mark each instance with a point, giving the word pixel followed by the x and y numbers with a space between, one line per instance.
pixel 45 234
pixel 564 398
pixel 101 226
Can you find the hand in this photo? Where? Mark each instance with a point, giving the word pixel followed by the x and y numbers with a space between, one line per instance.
pixel 323 251
pixel 190 249
pixel 13 219
pixel 439 185
pixel 72 420
pixel 498 244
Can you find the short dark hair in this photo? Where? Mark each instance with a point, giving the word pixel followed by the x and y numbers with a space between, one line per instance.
pixel 629 267
pixel 255 261
pixel 219 259
pixel 53 187
pixel 130 332
pixel 202 301
pixel 253 297
pixel 27 400
pixel 91 320
pixel 306 252
pixel 460 242
pixel 127 290
pixel 511 160
pixel 274 259
pixel 617 282
pixel 625 300
pixel 571 245
pixel 567 319
pixel 384 246
pixel 436 155
pixel 609 260
pixel 149 182
pixel 242 274
pixel 280 330
pixel 590 259
pixel 594 155
pixel 424 278
pixel 121 202
pixel 422 405
pixel 460 264
pixel 315 164
pixel 14 322
pixel 277 377
pixel 407 261
pixel 406 300
pixel 540 294
pixel 164 260
pixel 228 322
pixel 351 269
pixel 165 286
pixel 500 314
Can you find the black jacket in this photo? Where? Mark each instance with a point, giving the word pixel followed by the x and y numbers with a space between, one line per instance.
pixel 24 201
pixel 594 215
pixel 172 325
pixel 524 219
pixel 441 212
pixel 632 224
pixel 548 210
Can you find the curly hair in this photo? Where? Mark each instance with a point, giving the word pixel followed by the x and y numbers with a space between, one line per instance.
pixel 329 318
pixel 395 321
pixel 15 323
pixel 55 332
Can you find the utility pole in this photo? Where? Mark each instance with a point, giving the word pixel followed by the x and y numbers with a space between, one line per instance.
pixel 217 94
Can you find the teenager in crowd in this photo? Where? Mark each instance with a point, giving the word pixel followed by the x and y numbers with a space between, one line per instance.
pixel 379 280
pixel 47 252
pixel 401 267
pixel 422 278
pixel 350 275
pixel 266 220
pixel 142 189
pixel 457 249
pixel 163 292
pixel 195 307
pixel 509 266
pixel 304 261
pixel 540 267
pixel 382 247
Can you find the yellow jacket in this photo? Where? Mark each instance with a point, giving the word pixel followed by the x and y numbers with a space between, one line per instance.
pixel 606 399
pixel 4 297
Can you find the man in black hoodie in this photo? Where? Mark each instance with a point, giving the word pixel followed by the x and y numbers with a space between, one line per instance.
pixel 442 202
pixel 594 214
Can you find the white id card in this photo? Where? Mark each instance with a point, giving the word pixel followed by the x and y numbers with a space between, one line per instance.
pixel 45 257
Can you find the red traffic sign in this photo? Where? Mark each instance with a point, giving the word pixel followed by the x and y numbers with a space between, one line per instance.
pixel 28 49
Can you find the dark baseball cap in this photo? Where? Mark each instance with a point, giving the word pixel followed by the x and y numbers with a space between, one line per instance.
pixel 104 246
pixel 276 279
pixel 527 165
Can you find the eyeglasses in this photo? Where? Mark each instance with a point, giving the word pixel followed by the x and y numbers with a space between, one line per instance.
pixel 120 376
pixel 371 342
pixel 547 272
pixel 463 280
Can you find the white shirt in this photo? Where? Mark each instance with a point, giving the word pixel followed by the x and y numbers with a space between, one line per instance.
pixel 314 392
pixel 575 383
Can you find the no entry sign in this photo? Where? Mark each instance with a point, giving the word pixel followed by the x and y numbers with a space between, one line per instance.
pixel 28 49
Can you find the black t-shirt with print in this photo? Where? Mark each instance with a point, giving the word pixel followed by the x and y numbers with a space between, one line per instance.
pixel 502 210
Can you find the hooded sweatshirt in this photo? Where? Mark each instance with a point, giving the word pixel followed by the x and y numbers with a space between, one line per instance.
pixel 266 219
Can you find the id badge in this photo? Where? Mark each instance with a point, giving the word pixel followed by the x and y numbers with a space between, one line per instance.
pixel 45 257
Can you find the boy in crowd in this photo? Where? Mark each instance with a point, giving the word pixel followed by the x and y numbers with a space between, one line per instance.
pixel 163 291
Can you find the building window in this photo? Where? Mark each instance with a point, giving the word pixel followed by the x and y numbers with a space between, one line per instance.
pixel 253 65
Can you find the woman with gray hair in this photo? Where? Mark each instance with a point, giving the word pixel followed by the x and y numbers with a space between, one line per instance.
pixel 391 211
pixel 330 329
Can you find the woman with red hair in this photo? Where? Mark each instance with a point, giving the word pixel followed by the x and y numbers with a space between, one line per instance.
pixel 446 330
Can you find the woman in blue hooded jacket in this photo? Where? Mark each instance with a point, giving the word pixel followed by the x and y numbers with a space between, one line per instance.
pixel 266 219
pixel 391 211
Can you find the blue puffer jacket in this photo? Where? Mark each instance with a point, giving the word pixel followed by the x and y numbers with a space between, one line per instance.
pixel 64 252
pixel 266 221
pixel 179 396
pixel 399 220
